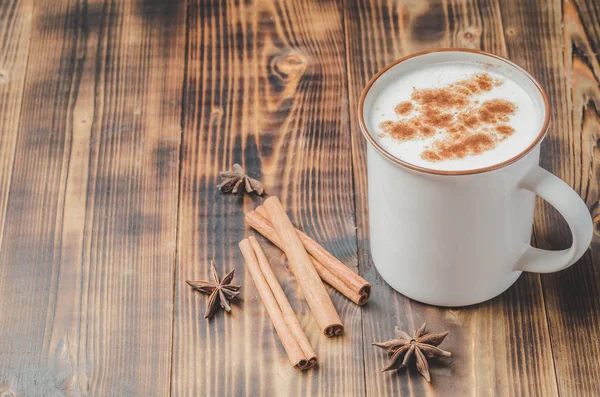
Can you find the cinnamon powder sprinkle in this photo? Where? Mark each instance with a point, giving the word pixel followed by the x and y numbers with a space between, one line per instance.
pixel 439 98
pixel 449 148
pixel 460 125
pixel 426 131
pixel 434 117
pixel 404 108
pixel 505 129
pixel 469 120
pixel 401 131
pixel 496 110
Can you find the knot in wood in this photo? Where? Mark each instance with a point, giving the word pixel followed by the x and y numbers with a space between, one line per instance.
pixel 216 114
pixel 3 80
pixel 469 38
pixel 7 393
pixel 290 65
pixel 470 35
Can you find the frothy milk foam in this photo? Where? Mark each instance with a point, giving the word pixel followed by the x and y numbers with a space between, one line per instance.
pixel 430 133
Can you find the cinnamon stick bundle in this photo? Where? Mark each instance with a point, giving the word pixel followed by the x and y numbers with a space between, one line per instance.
pixel 330 269
pixel 291 335
pixel 306 275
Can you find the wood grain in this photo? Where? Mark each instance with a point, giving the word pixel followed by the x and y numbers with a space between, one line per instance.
pixel 501 347
pixel 265 87
pixel 573 153
pixel 107 206
pixel 89 248
pixel 15 30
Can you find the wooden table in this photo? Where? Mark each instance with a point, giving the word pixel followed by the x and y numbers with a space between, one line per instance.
pixel 115 118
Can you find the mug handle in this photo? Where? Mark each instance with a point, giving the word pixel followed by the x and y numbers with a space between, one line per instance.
pixel 572 208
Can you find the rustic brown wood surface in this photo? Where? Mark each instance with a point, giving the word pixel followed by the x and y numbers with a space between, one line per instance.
pixel 115 119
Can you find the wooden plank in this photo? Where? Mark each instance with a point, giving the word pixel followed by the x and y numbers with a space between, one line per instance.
pixel 89 249
pixel 265 87
pixel 501 347
pixel 15 30
pixel 572 152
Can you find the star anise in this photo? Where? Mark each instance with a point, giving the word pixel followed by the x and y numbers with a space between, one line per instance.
pixel 236 180
pixel 421 346
pixel 221 290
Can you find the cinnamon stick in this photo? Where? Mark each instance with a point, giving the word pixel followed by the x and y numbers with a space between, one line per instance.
pixel 333 264
pixel 288 313
pixel 306 275
pixel 330 269
pixel 264 227
pixel 295 353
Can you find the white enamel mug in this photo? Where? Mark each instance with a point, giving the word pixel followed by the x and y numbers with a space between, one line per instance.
pixel 454 238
